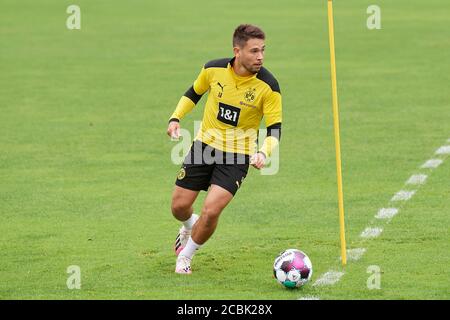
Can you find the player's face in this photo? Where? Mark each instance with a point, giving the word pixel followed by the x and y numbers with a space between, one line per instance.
pixel 251 56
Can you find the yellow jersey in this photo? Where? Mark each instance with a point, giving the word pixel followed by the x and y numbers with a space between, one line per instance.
pixel 234 108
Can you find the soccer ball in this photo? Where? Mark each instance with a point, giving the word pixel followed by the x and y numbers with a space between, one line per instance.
pixel 292 268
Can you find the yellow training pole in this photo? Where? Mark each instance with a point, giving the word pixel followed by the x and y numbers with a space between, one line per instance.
pixel 336 132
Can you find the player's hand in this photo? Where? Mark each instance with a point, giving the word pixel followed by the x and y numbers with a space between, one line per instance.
pixel 258 160
pixel 173 131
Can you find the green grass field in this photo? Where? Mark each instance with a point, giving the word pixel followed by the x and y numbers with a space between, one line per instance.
pixel 85 170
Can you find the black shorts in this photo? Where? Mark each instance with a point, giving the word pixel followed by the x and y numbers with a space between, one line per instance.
pixel 205 165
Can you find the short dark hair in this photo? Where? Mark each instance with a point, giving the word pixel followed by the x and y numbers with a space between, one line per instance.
pixel 245 32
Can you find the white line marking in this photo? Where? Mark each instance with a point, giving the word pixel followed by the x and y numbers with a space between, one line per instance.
pixel 329 278
pixel 403 195
pixel 355 254
pixel 432 164
pixel 443 150
pixel 417 179
pixel 386 213
pixel 332 277
pixel 371 232
pixel 309 298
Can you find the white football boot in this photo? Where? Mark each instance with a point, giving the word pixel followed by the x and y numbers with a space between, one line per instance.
pixel 183 265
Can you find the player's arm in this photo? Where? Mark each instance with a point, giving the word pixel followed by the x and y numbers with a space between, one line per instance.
pixel 187 103
pixel 272 114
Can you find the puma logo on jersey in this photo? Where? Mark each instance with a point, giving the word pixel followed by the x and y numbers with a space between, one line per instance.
pixel 220 94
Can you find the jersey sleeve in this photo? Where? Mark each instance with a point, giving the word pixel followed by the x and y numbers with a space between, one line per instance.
pixel 272 109
pixel 201 84
pixel 272 114
pixel 192 96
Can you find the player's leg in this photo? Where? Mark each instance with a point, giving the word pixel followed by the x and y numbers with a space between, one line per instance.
pixel 216 200
pixel 182 201
pixel 193 176
pixel 225 182
pixel 182 210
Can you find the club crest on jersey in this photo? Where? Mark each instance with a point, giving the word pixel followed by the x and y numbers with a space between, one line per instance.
pixel 181 174
pixel 250 95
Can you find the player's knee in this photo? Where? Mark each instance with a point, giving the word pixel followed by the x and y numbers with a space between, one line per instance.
pixel 179 209
pixel 211 214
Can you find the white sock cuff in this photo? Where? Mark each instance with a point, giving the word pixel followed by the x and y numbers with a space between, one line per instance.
pixel 193 243
pixel 189 223
pixel 190 248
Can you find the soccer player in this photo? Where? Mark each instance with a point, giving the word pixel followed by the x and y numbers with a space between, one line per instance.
pixel 240 93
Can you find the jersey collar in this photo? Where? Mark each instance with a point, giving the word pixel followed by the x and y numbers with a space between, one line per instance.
pixel 235 76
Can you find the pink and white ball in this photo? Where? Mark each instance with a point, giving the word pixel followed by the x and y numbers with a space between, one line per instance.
pixel 292 268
